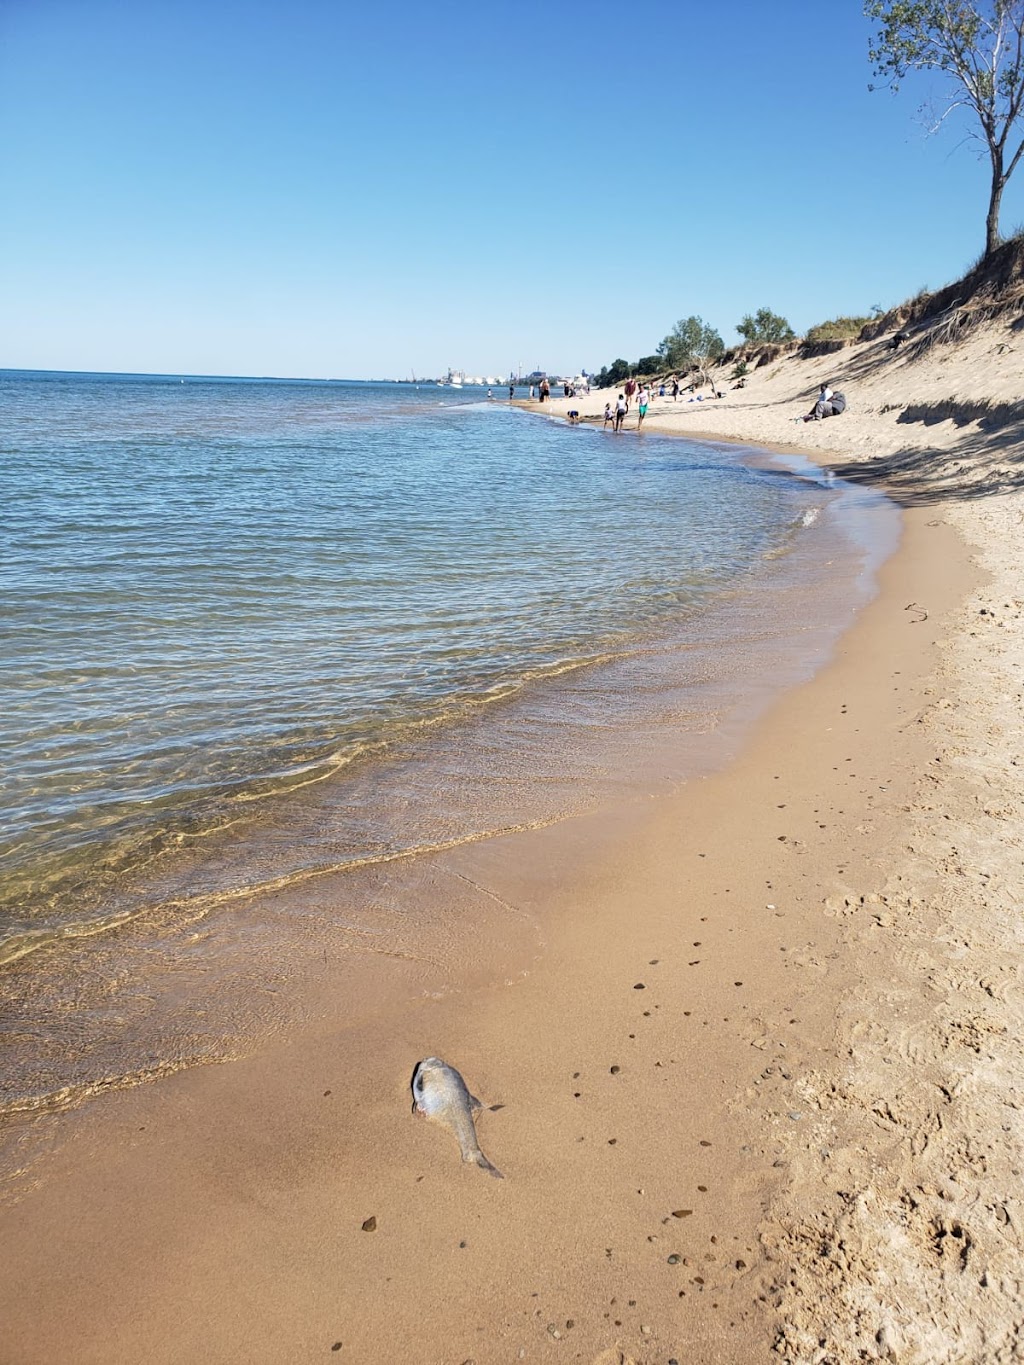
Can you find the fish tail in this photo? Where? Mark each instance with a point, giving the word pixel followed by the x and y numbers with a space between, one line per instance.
pixel 485 1165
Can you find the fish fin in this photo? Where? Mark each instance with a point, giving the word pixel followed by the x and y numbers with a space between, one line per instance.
pixel 478 1105
pixel 485 1165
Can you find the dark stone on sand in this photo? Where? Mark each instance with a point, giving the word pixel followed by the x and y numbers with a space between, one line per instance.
pixel 615 1070
pixel 639 986
pixel 370 1225
pixel 681 1213
pixel 673 1259
pixel 612 1142
pixel 741 1265
pixel 704 1142
pixel 336 1346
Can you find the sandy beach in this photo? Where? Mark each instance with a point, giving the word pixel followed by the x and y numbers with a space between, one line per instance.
pixel 751 1064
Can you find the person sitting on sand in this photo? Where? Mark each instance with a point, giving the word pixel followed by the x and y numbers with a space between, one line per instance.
pixel 621 408
pixel 818 411
pixel 829 404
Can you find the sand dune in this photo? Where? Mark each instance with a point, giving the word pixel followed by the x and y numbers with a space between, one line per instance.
pixel 897 1234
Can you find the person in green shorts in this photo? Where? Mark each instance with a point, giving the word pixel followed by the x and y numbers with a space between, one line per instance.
pixel 642 399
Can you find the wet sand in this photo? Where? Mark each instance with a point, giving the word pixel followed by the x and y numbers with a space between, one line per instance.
pixel 758 1065
pixel 219 1215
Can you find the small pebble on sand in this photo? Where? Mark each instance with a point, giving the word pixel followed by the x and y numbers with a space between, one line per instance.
pixel 370 1225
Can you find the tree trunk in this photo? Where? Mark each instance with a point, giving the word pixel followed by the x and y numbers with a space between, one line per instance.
pixel 992 237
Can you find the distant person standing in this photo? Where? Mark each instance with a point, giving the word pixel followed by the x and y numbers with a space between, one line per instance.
pixel 531 393
pixel 621 408
pixel 642 399
pixel 608 414
pixel 545 390
pixel 630 388
pixel 675 389
pixel 511 392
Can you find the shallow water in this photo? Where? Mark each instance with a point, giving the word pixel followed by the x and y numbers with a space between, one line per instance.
pixel 258 634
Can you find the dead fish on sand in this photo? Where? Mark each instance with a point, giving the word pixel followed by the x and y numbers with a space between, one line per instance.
pixel 440 1093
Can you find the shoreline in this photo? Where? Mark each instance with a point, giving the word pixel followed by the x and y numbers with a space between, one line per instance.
pixel 775 915
pixel 671 706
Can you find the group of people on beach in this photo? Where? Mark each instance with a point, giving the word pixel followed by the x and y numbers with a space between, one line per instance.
pixel 829 403
pixel 617 416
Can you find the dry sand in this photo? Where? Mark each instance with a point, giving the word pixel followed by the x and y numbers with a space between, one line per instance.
pixel 761 1082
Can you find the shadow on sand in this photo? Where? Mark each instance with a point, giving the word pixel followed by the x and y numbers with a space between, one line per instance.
pixel 984 463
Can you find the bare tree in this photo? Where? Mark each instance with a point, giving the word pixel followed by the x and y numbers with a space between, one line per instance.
pixel 979 46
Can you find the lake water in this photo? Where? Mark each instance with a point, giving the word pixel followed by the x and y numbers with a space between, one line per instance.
pixel 253 631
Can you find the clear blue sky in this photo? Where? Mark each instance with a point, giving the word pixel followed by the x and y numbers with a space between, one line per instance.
pixel 330 189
